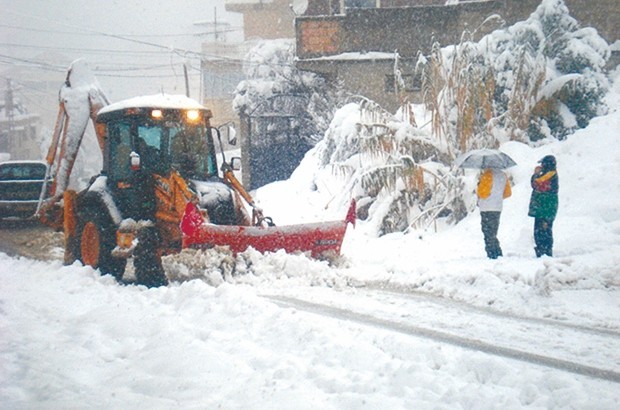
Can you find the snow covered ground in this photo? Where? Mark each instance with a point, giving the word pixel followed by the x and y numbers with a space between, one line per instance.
pixel 420 320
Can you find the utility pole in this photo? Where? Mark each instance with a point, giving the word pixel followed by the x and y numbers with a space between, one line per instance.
pixel 215 33
pixel 10 115
pixel 186 79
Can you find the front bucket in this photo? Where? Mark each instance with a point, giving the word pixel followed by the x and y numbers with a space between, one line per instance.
pixel 320 238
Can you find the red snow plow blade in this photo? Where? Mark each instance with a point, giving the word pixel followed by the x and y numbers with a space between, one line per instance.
pixel 321 239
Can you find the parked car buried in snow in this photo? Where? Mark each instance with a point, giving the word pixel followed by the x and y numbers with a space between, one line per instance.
pixel 21 183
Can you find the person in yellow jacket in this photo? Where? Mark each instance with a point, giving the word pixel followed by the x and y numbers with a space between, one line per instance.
pixel 493 187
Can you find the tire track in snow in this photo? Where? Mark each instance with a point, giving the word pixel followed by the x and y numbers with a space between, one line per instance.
pixel 445 337
pixel 452 303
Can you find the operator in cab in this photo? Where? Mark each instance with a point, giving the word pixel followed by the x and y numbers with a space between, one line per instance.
pixel 189 153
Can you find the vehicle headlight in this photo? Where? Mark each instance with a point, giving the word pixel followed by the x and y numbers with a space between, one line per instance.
pixel 192 115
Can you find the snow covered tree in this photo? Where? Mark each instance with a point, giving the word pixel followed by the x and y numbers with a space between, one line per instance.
pixel 543 77
pixel 395 170
pixel 270 71
pixel 458 89
pixel 567 61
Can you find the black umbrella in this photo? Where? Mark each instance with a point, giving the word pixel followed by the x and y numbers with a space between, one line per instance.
pixel 484 158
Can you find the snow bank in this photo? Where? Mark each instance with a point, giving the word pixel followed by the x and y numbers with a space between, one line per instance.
pixel 73 338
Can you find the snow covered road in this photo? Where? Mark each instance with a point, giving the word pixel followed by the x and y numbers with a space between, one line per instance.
pixel 71 338
pixel 577 349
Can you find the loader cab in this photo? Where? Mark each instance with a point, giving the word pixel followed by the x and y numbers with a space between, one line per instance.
pixel 148 137
pixel 156 141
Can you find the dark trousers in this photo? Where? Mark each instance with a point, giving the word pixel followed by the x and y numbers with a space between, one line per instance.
pixel 543 236
pixel 490 225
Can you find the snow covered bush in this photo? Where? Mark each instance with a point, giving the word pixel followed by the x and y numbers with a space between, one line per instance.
pixel 396 171
pixel 572 60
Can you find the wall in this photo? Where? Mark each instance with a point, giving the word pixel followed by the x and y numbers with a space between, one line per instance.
pixel 365 76
pixel 269 20
pixel 387 29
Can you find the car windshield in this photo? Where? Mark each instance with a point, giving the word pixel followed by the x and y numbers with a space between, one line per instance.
pixel 22 171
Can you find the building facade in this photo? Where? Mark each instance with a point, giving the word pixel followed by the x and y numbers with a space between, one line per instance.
pixel 222 70
pixel 265 19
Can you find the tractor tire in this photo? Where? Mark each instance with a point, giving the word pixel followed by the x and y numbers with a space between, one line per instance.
pixel 96 237
pixel 147 259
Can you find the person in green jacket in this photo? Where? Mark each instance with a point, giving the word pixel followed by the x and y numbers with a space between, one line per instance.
pixel 544 204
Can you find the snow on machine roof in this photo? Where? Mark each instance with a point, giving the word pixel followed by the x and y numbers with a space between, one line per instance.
pixel 164 101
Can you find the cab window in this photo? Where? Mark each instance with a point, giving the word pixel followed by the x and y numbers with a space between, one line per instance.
pixel 120 149
pixel 149 144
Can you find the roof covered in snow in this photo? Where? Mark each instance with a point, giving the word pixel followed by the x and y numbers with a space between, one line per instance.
pixel 353 56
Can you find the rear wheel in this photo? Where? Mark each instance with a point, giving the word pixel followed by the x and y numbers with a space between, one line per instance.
pixel 96 239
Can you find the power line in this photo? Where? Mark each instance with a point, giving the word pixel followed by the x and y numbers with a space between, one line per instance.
pixel 88 50
pixel 38 64
pixel 110 73
pixel 184 53
pixel 102 74
pixel 24 85
pixel 179 51
pixel 38 30
pixel 94 66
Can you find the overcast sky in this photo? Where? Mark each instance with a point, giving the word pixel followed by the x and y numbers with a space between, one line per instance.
pixel 135 47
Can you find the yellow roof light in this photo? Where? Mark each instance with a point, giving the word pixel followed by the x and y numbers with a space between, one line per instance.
pixel 193 115
pixel 156 114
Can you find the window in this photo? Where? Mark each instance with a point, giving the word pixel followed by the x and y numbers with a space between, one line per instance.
pixel 151 135
pixel 413 82
pixel 120 149
pixel 191 152
pixel 154 142
pixel 149 146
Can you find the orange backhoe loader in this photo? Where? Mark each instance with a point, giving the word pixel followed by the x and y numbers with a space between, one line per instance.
pixel 159 189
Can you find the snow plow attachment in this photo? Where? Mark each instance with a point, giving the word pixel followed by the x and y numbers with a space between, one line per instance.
pixel 321 239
